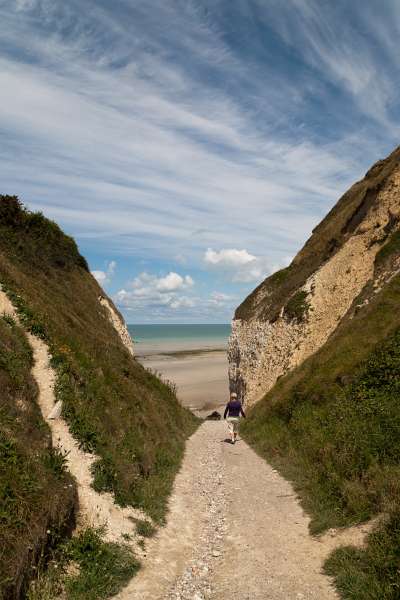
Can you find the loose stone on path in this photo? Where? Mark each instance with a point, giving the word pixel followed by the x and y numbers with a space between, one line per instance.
pixel 234 530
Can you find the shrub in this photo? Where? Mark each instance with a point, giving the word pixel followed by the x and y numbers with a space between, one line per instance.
pixel 392 247
pixel 85 568
pixel 103 567
pixel 144 528
pixel 371 573
pixel 297 307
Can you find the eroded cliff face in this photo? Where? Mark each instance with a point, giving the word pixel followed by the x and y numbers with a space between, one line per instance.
pixel 118 323
pixel 293 312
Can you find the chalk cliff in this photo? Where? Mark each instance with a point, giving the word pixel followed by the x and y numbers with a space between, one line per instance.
pixel 293 312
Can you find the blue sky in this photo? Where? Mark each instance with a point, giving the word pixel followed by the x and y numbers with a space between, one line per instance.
pixel 190 146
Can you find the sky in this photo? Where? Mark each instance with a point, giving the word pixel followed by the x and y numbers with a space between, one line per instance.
pixel 190 146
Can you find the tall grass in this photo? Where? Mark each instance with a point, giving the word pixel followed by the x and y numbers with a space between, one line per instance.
pixel 85 568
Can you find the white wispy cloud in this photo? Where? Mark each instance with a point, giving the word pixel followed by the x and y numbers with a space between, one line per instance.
pixel 255 271
pixel 229 257
pixel 346 47
pixel 104 277
pixel 220 300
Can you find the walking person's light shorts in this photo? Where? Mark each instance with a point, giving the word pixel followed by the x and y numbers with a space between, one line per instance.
pixel 233 424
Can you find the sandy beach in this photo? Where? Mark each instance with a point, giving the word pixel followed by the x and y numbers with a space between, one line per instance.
pixel 201 376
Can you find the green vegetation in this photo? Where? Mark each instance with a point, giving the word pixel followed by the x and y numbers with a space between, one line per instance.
pixel 264 294
pixel 27 317
pixel 144 528
pixel 103 567
pixel 280 276
pixel 297 307
pixel 114 407
pixel 373 573
pixel 48 247
pixel 86 568
pixel 332 426
pixel 37 496
pixel 392 247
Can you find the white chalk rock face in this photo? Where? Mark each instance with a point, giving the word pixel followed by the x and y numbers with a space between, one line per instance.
pixel 293 312
pixel 118 324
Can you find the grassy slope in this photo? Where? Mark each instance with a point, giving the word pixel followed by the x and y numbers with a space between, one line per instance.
pixel 37 498
pixel 266 301
pixel 113 405
pixel 332 426
pixel 85 568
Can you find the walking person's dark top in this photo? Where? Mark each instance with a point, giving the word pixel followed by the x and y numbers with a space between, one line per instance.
pixel 234 409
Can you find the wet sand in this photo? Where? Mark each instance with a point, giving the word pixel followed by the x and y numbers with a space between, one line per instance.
pixel 201 376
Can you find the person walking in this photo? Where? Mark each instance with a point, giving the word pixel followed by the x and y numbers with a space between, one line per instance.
pixel 233 411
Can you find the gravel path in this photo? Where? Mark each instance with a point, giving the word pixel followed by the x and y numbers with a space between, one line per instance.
pixel 235 530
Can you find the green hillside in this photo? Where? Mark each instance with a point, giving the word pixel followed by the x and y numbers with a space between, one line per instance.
pixel 332 426
pixel 37 497
pixel 114 406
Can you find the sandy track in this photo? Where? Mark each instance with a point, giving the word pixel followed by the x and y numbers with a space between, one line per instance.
pixel 235 530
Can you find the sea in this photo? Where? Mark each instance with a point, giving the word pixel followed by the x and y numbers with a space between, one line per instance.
pixel 166 339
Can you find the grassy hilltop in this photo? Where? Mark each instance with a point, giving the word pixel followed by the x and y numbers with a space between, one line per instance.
pixel 114 407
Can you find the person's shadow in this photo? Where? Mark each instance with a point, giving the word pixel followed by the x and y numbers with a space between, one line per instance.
pixel 227 441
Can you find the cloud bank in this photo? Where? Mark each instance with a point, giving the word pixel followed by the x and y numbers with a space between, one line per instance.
pixel 159 293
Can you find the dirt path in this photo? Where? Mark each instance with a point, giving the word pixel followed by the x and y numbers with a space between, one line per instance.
pixel 235 530
pixel 94 509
